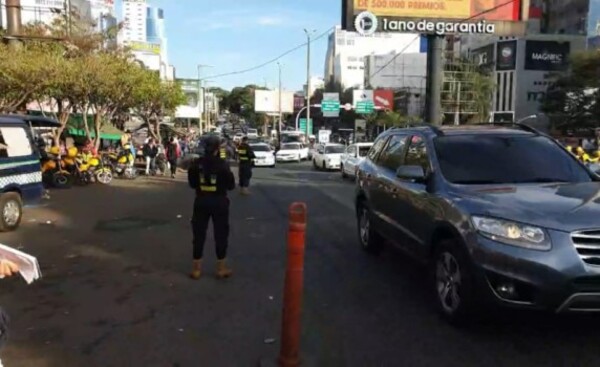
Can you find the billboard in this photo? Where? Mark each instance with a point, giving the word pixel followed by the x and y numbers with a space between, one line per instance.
pixel 506 55
pixel 192 108
pixel 152 48
pixel 384 99
pixel 547 55
pixel 483 56
pixel 439 17
pixel 268 101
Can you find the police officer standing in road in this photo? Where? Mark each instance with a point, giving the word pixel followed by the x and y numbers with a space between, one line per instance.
pixel 246 156
pixel 211 177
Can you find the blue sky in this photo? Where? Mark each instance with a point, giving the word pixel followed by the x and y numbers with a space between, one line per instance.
pixel 233 35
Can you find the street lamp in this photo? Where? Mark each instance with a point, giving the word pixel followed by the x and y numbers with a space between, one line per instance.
pixel 201 107
pixel 308 86
pixel 280 113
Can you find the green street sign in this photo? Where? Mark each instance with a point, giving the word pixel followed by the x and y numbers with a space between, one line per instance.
pixel 330 105
pixel 365 107
pixel 302 126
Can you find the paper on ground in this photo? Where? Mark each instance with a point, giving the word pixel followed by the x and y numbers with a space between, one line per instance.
pixel 29 268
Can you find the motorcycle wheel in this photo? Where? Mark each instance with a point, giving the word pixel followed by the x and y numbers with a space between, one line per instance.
pixel 62 180
pixel 104 176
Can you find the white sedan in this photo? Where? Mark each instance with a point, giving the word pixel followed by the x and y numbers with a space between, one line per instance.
pixel 354 154
pixel 265 156
pixel 328 156
pixel 292 152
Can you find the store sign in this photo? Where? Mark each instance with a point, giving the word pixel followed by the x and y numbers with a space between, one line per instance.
pixel 433 16
pixel 547 55
pixel 506 55
pixel 483 56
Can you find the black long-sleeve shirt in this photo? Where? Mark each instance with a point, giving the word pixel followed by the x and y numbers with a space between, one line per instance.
pixel 207 166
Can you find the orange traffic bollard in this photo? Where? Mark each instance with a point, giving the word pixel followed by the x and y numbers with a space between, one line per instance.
pixel 289 355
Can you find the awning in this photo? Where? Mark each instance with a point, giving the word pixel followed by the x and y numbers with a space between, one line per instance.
pixel 105 133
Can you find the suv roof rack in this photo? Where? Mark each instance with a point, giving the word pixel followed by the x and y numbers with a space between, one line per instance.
pixel 433 128
pixel 520 125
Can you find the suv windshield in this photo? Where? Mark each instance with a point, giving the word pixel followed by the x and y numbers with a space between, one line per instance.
pixel 469 159
pixel 290 147
pixel 261 148
pixel 335 149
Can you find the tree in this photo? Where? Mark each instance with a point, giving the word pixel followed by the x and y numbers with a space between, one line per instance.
pixel 241 101
pixel 153 99
pixel 392 119
pixel 572 100
pixel 25 72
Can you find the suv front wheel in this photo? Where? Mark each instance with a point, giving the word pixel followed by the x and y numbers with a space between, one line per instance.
pixel 452 282
pixel 370 240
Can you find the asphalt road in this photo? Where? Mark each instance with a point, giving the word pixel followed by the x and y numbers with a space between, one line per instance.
pixel 115 290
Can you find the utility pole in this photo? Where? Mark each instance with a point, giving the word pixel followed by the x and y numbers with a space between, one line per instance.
pixel 13 21
pixel 280 113
pixel 435 70
pixel 201 104
pixel 457 113
pixel 308 86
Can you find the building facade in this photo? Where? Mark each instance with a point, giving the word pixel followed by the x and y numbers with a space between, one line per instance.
pixel 144 33
pixel 46 11
pixel 103 14
pixel 316 82
pixel 346 52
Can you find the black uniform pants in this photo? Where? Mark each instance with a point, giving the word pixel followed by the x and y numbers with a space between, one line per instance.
pixel 245 174
pixel 173 164
pixel 205 209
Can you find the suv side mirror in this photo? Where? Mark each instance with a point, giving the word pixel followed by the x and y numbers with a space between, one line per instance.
pixel 414 173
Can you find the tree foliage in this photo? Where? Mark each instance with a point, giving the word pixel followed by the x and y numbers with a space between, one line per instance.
pixel 572 100
pixel 241 101
pixel 81 71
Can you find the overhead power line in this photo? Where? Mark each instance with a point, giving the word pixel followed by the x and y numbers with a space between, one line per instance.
pixel 272 60
pixel 419 36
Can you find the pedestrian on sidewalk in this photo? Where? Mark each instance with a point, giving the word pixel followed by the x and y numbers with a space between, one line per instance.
pixel 211 178
pixel 150 151
pixel 246 156
pixel 173 154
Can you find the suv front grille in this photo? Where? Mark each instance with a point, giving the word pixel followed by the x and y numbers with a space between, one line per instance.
pixel 587 244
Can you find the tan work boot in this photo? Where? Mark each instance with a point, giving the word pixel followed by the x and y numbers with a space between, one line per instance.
pixel 222 270
pixel 245 191
pixel 196 270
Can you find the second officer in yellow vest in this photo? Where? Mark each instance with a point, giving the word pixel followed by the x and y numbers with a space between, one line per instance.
pixel 246 156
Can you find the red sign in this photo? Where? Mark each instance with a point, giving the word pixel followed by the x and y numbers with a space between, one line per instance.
pixel 384 99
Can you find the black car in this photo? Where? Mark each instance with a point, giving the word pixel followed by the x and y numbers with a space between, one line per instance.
pixel 500 213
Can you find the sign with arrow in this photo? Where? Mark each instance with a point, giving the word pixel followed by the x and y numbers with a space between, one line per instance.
pixel 384 99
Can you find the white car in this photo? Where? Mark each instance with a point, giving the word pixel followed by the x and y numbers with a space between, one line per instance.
pixel 292 152
pixel 328 156
pixel 265 156
pixel 354 154
pixel 252 133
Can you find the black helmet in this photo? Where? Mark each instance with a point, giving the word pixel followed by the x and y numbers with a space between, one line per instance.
pixel 211 144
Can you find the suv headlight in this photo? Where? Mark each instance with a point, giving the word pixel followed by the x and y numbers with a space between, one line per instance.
pixel 514 234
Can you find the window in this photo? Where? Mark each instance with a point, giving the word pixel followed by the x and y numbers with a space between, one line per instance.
pixel 14 142
pixel 393 154
pixel 291 147
pixel 334 149
pixel 260 148
pixel 376 148
pixel 505 160
pixel 417 154
pixel 363 151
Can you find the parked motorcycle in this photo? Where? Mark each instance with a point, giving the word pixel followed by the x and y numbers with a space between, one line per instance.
pixel 122 164
pixel 54 172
